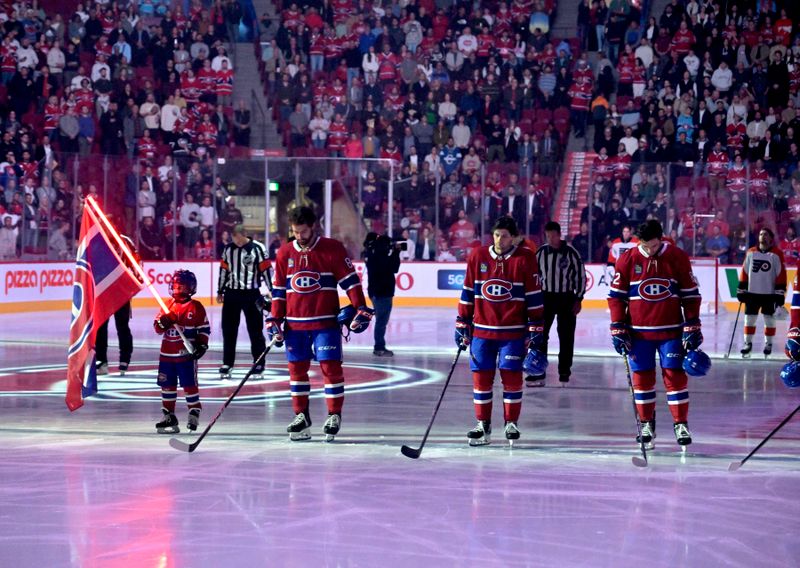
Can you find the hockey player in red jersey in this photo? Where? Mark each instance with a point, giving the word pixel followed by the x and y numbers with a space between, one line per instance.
pixel 762 287
pixel 501 299
pixel 305 305
pixel 791 371
pixel 655 306
pixel 175 363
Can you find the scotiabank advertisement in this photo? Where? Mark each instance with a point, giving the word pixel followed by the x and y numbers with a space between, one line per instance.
pixel 48 286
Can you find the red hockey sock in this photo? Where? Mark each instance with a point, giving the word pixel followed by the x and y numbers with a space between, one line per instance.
pixel 192 395
pixel 482 394
pixel 676 382
pixel 512 394
pixel 334 385
pixel 168 398
pixel 299 385
pixel 644 392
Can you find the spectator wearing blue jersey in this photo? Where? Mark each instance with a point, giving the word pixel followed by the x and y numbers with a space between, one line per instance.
pixel 450 156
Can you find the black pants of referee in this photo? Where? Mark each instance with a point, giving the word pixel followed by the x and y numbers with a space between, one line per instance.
pixel 122 321
pixel 234 303
pixel 560 305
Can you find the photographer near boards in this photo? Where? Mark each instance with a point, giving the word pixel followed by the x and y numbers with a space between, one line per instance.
pixel 382 260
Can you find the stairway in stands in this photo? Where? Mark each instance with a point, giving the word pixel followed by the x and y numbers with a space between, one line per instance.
pixel 573 191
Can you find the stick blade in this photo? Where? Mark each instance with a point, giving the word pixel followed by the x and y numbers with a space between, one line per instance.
pixel 735 466
pixel 639 461
pixel 410 452
pixel 181 446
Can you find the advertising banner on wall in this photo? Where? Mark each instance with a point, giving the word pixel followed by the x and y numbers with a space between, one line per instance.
pixel 46 286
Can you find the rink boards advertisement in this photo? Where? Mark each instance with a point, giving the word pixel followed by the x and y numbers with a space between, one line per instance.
pixel 48 285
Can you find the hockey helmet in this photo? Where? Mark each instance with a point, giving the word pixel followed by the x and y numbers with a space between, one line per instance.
pixel 346 315
pixel 183 284
pixel 790 374
pixel 696 363
pixel 535 363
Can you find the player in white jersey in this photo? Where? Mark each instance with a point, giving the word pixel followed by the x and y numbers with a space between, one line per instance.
pixel 762 287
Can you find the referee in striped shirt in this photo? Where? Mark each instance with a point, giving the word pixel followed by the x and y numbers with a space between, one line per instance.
pixel 563 279
pixel 244 266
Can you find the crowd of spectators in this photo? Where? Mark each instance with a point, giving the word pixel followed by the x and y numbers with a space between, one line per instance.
pixel 89 91
pixel 696 123
pixel 472 100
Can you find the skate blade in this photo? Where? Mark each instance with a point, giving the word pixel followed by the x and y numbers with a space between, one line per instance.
pixel 169 430
pixel 480 441
pixel 330 438
pixel 257 376
pixel 300 436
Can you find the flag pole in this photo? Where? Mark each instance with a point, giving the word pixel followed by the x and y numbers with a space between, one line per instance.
pixel 95 209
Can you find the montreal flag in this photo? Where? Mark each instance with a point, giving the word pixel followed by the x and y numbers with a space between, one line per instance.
pixel 103 284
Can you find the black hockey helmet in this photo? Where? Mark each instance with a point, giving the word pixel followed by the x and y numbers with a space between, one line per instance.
pixel 183 284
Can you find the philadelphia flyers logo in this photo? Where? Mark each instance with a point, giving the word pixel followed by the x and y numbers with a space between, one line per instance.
pixel 761 265
pixel 654 289
pixel 305 282
pixel 496 290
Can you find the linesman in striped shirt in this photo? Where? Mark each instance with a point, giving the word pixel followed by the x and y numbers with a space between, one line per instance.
pixel 563 278
pixel 244 266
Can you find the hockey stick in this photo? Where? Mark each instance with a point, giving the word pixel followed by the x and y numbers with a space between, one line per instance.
pixel 637 461
pixel 736 465
pixel 733 333
pixel 413 453
pixel 183 446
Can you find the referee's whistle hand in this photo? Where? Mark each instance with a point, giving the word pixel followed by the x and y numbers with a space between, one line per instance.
pixel 576 307
pixel 220 298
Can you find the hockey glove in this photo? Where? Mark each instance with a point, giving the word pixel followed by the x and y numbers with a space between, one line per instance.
pixel 780 299
pixel 535 363
pixel 274 330
pixel 793 344
pixel 360 323
pixel 535 335
pixel 742 295
pixel 166 321
pixel 621 338
pixel 463 334
pixel 199 350
pixel 692 336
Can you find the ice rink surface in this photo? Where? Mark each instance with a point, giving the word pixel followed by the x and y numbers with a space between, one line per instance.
pixel 98 487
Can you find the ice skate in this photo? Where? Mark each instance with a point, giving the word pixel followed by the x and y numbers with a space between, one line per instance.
pixel 102 368
pixel 512 433
pixel 194 419
pixel 748 347
pixel 123 368
pixel 300 427
pixel 331 426
pixel 535 381
pixel 767 350
pixel 682 434
pixel 648 435
pixel 258 372
pixel 169 425
pixel 225 372
pixel 481 435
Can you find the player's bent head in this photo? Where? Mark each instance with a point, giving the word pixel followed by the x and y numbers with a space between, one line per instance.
pixel 650 230
pixel 507 223
pixel 239 230
pixel 302 216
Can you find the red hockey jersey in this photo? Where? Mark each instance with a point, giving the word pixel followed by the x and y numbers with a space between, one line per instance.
pixel 654 294
pixel 192 321
pixel 501 293
pixel 304 287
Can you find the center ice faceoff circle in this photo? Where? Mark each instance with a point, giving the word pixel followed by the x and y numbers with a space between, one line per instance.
pixel 139 383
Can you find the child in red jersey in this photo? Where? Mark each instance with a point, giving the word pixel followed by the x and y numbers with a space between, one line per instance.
pixel 176 364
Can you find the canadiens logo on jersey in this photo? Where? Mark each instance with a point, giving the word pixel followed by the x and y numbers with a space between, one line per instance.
pixel 305 282
pixel 496 290
pixel 655 289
